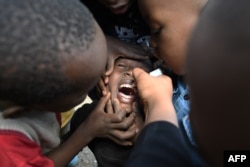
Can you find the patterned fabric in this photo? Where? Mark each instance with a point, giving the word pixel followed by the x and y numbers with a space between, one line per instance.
pixel 129 27
pixel 181 103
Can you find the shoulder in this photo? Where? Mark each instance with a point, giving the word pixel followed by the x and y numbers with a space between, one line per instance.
pixel 17 149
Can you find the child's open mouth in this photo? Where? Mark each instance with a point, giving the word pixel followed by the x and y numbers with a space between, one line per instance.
pixel 127 91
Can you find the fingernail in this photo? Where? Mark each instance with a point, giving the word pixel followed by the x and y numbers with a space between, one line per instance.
pixel 106 80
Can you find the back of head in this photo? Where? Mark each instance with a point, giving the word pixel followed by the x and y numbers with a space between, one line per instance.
pixel 218 67
pixel 36 39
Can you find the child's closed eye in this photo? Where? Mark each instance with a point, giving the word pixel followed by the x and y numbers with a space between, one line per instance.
pixel 120 65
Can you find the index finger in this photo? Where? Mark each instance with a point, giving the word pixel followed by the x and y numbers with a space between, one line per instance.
pixel 103 101
pixel 110 66
pixel 139 74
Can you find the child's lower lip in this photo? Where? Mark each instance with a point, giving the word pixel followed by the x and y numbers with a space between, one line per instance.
pixel 120 10
pixel 124 99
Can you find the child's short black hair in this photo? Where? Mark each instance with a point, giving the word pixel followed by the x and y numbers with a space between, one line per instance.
pixel 33 37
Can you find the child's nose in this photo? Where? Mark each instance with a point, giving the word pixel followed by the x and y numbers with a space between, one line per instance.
pixel 129 72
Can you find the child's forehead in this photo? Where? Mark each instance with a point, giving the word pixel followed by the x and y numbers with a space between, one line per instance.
pixel 145 62
pixel 125 59
pixel 133 63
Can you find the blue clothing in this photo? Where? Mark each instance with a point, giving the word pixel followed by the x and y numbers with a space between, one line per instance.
pixel 181 102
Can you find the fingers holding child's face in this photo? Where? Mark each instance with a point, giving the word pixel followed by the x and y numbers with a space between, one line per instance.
pixel 132 120
pixel 114 107
pixel 113 124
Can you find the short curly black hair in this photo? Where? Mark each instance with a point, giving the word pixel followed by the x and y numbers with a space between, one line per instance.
pixel 33 36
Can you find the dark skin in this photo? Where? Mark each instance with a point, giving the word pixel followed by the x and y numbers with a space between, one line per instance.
pixel 122 74
pixel 128 131
pixel 220 80
pixel 218 64
pixel 123 135
pixel 95 60
pixel 116 49
pixel 106 126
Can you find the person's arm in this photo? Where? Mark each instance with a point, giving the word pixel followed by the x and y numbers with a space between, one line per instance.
pixel 160 142
pixel 97 124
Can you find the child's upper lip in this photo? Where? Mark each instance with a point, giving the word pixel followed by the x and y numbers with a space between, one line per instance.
pixel 128 80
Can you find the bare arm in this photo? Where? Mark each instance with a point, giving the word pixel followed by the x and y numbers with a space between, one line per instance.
pixel 98 124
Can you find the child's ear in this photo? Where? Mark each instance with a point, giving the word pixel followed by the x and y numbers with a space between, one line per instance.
pixel 12 111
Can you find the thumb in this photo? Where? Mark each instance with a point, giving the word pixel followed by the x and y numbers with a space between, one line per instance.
pixel 103 101
pixel 110 67
pixel 139 74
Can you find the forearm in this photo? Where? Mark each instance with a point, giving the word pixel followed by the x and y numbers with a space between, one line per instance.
pixel 161 109
pixel 63 154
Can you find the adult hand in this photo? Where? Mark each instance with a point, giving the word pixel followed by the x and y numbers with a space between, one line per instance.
pixel 156 95
pixel 106 125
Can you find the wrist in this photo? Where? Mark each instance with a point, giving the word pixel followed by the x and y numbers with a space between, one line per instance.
pixel 161 112
pixel 159 103
pixel 83 136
